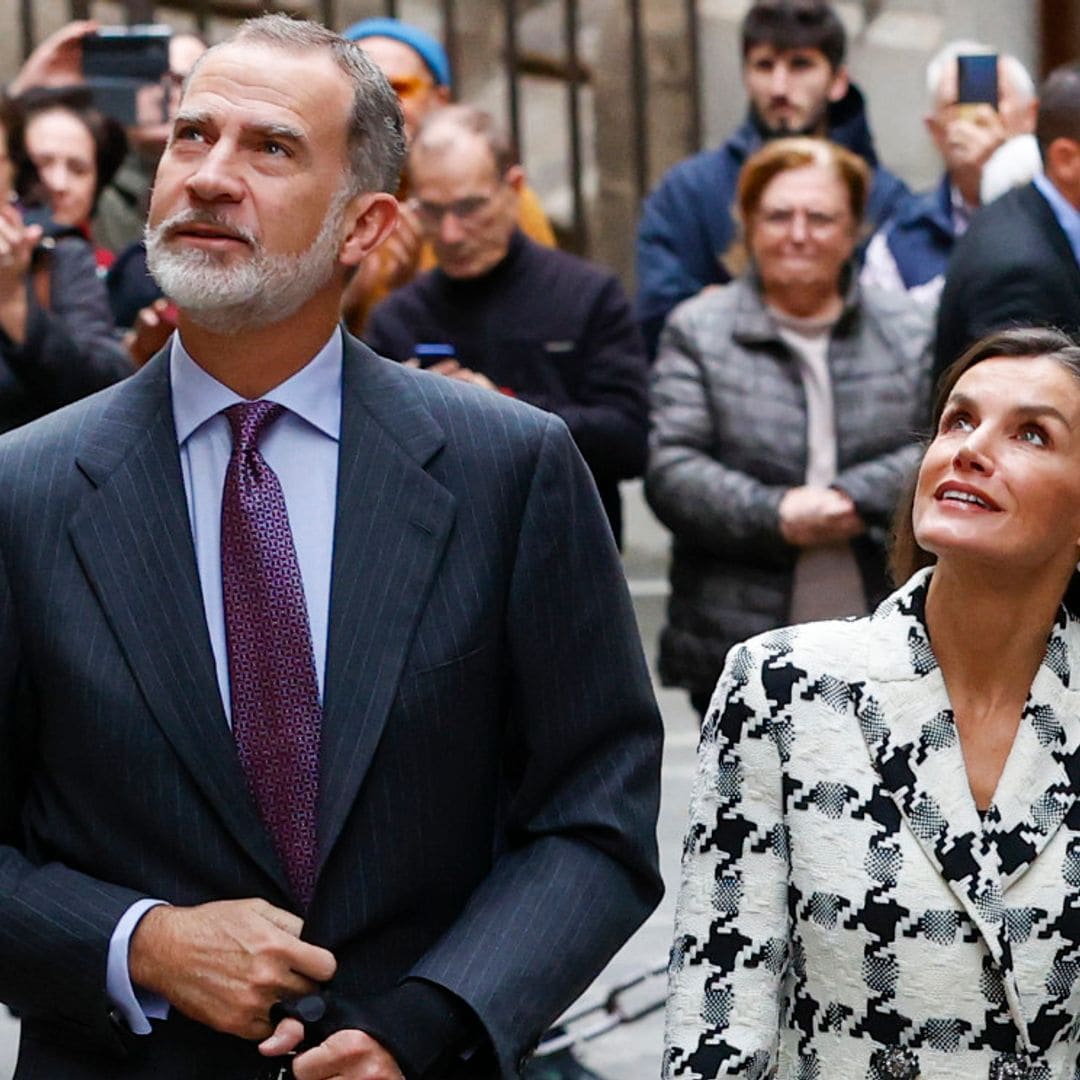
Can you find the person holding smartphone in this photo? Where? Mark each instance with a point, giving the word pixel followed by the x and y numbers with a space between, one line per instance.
pixel 979 101
pixel 1019 263
pixel 56 334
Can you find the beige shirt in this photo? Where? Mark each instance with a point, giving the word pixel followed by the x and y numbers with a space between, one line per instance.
pixel 827 582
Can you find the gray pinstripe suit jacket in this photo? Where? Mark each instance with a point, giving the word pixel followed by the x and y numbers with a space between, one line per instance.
pixel 490 741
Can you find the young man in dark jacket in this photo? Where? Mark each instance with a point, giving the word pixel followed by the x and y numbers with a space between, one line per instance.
pixel 797 84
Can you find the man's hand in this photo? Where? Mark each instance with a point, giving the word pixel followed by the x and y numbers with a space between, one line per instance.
pixel 812 515
pixel 17 243
pixel 346 1055
pixel 971 136
pixel 152 328
pixel 57 61
pixel 399 253
pixel 225 963
pixel 453 370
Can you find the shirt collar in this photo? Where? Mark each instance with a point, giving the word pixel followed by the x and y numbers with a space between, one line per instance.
pixel 313 393
pixel 960 210
pixel 1068 217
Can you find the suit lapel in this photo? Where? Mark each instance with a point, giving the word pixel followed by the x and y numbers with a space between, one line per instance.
pixel 1047 225
pixel 133 540
pixel 1042 774
pixel 393 521
pixel 915 747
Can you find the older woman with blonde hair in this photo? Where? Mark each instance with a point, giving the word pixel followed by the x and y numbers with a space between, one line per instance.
pixel 882 873
pixel 785 409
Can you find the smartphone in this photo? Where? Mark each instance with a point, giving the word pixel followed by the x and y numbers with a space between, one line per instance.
pixel 127 52
pixel 977 80
pixel 118 61
pixel 431 352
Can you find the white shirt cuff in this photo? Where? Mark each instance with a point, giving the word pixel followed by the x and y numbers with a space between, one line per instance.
pixel 137 1007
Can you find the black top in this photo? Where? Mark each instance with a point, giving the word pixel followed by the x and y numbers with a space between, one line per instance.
pixel 549 328
pixel 70 349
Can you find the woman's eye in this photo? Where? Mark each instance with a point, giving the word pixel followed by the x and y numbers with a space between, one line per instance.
pixel 1035 436
pixel 957 422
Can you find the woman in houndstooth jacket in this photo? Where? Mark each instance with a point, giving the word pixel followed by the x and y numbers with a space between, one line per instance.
pixel 881 879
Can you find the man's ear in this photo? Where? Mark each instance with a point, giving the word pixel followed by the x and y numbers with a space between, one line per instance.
pixel 841 83
pixel 515 177
pixel 373 216
pixel 1063 163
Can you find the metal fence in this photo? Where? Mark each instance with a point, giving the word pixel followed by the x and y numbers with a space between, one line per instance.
pixel 656 127
pixel 566 68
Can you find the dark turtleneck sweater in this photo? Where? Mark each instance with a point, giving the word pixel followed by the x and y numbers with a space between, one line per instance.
pixel 549 328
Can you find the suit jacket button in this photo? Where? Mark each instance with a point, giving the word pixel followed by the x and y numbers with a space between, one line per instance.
pixel 895 1063
pixel 1008 1068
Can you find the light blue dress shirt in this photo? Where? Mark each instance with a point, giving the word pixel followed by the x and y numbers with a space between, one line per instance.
pixel 301 447
pixel 1068 217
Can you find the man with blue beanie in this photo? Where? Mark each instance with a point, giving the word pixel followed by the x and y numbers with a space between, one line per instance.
pixel 414 63
pixel 418 69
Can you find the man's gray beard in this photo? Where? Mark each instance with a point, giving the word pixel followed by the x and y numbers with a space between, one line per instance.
pixel 257 291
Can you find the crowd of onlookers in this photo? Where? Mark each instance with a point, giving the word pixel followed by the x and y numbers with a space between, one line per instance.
pixel 795 301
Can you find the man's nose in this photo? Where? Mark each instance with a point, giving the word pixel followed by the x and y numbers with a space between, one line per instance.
pixel 216 179
pixel 450 228
pixel 779 80
pixel 799 229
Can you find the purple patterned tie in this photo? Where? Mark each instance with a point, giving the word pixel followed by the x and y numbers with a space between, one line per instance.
pixel 274 691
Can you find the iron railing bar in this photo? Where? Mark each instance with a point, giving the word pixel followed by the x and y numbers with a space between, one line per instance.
pixel 640 102
pixel 693 33
pixel 450 38
pixel 138 11
pixel 512 89
pixel 573 105
pixel 26 21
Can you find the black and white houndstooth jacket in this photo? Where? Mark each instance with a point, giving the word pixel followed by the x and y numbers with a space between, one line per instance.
pixel 844 913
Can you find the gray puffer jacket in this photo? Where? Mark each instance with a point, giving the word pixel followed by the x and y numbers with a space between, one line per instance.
pixel 729 438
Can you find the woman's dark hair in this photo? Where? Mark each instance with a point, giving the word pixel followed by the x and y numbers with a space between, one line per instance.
pixel 110 142
pixel 905 555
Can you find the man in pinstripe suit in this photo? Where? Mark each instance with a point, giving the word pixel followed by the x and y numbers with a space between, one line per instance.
pixel 488 745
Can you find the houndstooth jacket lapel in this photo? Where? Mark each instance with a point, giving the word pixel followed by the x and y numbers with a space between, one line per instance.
pixel 913 743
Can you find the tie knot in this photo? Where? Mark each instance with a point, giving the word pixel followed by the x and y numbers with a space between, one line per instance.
pixel 248 420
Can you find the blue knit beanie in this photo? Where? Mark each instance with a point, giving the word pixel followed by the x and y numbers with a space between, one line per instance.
pixel 428 49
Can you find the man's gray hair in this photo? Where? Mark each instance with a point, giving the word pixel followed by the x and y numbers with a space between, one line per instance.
pixel 375 133
pixel 441 128
pixel 944 60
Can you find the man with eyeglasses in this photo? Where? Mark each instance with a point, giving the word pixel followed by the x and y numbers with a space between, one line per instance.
pixel 418 69
pixel 509 315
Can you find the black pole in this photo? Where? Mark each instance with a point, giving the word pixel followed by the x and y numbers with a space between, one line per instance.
pixel 450 37
pixel 693 33
pixel 26 25
pixel 573 107
pixel 640 98
pixel 512 90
